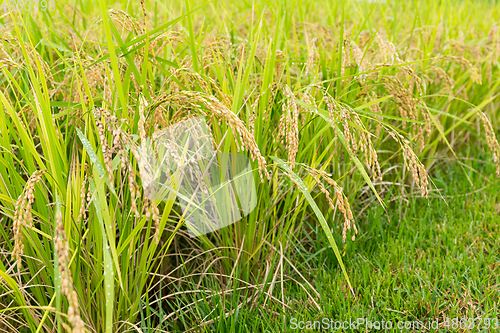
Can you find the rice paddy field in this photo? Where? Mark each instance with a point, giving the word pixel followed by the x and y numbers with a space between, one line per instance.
pixel 249 166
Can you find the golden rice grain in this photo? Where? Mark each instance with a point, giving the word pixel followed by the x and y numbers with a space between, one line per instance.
pixel 409 108
pixel 388 50
pixel 309 100
pixel 253 116
pixel 412 162
pixel 82 215
pixel 375 108
pixel 346 58
pixel 222 112
pixel 358 56
pixel 475 75
pixel 311 58
pixel 280 59
pixel 107 92
pixel 289 128
pixel 13 56
pixel 62 249
pixel 491 140
pixel 443 76
pixel 106 151
pixel 128 22
pixel 342 201
pixel 355 137
pixel 22 215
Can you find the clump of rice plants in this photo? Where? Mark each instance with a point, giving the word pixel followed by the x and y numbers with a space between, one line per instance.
pixel 338 106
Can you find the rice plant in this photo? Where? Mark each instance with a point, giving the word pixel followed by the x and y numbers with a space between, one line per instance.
pixel 338 106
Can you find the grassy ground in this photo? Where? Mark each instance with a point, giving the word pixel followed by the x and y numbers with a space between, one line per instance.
pixel 351 112
pixel 440 260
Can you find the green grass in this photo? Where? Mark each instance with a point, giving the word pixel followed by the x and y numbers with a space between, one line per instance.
pixel 437 261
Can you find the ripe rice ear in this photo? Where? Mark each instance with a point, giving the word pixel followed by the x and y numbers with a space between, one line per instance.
pixel 289 127
pixel 62 249
pixel 106 151
pixel 356 137
pixel 22 215
pixel 82 215
pixel 342 201
pixel 412 162
pixel 243 138
pixel 311 58
pixel 491 140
